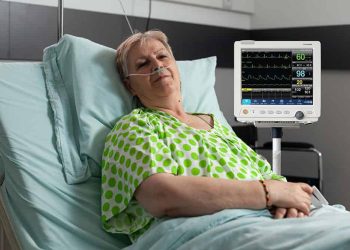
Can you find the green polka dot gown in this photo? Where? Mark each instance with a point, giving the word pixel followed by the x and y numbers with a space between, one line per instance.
pixel 147 142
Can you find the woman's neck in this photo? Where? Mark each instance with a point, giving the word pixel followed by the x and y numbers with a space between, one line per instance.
pixel 174 108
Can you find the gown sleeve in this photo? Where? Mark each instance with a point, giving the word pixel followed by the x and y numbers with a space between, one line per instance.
pixel 134 150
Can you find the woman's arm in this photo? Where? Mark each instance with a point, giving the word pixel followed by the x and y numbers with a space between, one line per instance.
pixel 168 195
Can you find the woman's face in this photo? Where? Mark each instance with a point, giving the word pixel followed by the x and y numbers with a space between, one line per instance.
pixel 144 59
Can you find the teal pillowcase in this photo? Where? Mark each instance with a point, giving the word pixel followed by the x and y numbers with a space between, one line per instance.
pixel 87 98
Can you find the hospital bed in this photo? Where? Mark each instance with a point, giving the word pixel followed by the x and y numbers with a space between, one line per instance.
pixel 54 116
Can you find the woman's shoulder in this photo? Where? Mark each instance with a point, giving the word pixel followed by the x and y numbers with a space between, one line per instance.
pixel 139 117
pixel 135 114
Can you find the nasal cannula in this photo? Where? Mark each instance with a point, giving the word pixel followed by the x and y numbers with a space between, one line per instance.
pixel 156 71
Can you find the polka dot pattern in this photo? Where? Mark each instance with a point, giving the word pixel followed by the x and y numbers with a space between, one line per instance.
pixel 147 142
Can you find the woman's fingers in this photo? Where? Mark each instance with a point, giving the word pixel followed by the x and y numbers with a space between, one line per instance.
pixel 301 214
pixel 290 195
pixel 280 213
pixel 292 213
pixel 307 188
pixel 303 207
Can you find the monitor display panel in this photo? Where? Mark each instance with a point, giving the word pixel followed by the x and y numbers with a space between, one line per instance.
pixel 277 81
pixel 277 77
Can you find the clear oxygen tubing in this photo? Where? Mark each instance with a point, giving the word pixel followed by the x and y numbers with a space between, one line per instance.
pixel 126 17
pixel 157 70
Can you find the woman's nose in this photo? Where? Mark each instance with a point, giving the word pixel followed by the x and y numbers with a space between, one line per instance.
pixel 156 65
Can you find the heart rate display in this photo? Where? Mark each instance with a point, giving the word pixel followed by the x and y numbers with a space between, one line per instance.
pixel 276 77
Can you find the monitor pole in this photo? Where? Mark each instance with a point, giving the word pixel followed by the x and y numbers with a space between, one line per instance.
pixel 276 149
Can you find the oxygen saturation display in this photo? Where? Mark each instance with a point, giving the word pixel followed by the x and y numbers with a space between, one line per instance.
pixel 277 77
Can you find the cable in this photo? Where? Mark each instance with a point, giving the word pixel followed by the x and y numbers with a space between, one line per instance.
pixel 9 33
pixel 126 17
pixel 149 14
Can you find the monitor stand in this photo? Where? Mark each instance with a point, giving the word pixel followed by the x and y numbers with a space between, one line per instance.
pixel 276 149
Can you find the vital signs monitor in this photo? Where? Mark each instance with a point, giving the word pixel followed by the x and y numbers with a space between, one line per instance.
pixel 277 83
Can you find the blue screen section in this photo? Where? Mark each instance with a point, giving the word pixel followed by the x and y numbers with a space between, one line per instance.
pixel 246 101
pixel 276 102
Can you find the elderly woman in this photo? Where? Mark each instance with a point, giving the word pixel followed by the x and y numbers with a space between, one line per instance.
pixel 160 160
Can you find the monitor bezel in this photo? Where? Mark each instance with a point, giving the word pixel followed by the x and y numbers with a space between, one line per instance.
pixel 278 45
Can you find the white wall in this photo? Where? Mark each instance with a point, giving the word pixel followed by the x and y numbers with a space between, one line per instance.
pixel 207 12
pixel 299 13
pixel 224 91
pixel 246 6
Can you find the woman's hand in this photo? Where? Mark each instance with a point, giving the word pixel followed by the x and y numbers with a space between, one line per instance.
pixel 294 197
pixel 280 213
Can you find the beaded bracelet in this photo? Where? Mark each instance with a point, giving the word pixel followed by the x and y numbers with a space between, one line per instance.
pixel 267 195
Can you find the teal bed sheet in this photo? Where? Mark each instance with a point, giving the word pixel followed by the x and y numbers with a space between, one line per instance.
pixel 45 211
pixel 243 229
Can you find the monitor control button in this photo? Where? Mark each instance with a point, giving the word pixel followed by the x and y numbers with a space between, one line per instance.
pixel 286 112
pixel 262 112
pixel 245 111
pixel 299 115
pixel 278 112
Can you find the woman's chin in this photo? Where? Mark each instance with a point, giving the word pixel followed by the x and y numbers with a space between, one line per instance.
pixel 163 83
pixel 165 89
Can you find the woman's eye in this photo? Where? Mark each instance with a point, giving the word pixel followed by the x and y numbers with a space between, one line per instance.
pixel 140 65
pixel 163 56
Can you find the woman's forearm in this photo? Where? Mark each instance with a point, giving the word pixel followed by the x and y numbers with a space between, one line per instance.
pixel 168 195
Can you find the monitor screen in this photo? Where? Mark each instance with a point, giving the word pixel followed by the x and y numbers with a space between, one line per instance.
pixel 277 76
pixel 277 82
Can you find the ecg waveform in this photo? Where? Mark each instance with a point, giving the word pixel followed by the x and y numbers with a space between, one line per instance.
pixel 276 77
pixel 266 69
pixel 267 78
pixel 264 55
pixel 267 66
